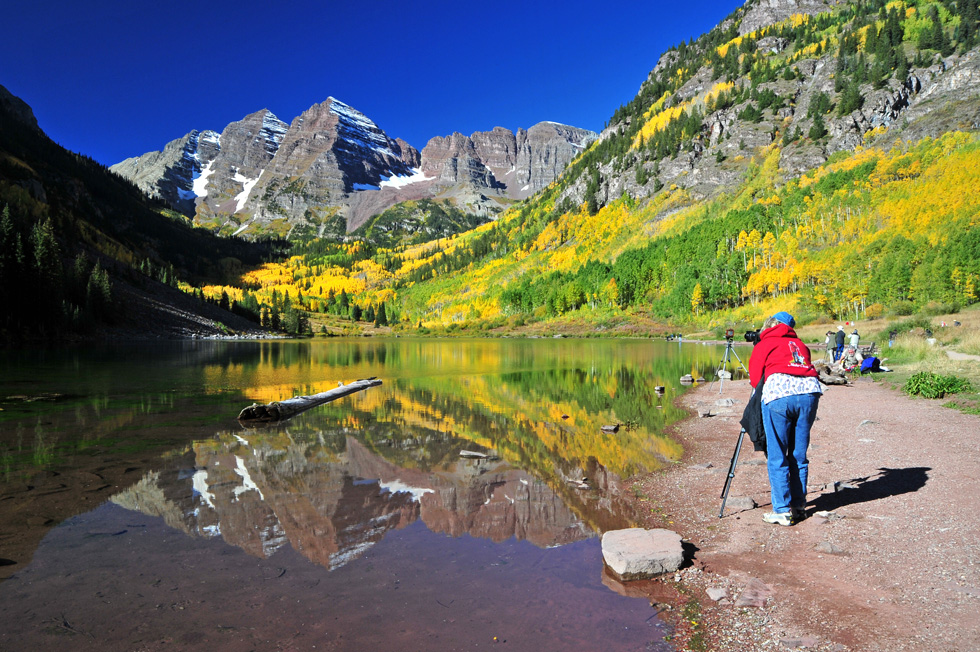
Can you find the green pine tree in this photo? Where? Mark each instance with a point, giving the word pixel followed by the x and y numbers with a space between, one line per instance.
pixel 818 130
pixel 381 319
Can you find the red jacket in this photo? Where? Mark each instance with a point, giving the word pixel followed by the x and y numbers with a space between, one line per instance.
pixel 779 351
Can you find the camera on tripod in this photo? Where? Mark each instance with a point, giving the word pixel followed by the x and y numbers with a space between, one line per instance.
pixel 729 334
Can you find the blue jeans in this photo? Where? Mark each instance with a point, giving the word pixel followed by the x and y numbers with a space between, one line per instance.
pixel 787 422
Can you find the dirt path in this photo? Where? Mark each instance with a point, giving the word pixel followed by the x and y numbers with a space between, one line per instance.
pixel 894 565
pixel 956 355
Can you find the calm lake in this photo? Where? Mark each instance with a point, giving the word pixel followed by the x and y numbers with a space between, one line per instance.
pixel 137 514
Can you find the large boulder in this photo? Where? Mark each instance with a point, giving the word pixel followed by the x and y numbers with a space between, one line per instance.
pixel 636 553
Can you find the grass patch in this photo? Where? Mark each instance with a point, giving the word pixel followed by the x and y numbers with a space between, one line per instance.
pixel 924 369
pixel 969 343
pixel 698 641
pixel 930 385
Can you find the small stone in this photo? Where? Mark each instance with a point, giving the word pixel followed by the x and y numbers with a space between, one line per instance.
pixel 828 548
pixel 717 593
pixel 38 521
pixel 799 641
pixel 703 465
pixel 636 553
pixel 823 517
pixel 725 402
pixel 755 594
pixel 740 503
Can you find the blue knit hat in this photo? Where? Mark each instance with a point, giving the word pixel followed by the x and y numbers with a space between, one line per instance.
pixel 785 318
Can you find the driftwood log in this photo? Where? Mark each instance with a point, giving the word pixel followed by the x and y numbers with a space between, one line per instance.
pixel 282 410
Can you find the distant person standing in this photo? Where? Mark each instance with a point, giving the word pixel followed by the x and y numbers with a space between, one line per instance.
pixel 831 345
pixel 839 343
pixel 854 338
pixel 891 338
pixel 780 362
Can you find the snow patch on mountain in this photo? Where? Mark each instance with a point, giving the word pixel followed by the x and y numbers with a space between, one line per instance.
pixel 199 187
pixel 273 131
pixel 417 176
pixel 247 185
pixel 212 137
pixel 357 128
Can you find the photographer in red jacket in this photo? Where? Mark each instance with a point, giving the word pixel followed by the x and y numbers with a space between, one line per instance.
pixel 790 394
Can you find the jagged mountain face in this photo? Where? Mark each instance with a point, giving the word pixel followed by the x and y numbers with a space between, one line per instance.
pixel 170 175
pixel 517 164
pixel 261 176
pixel 763 13
pixel 809 77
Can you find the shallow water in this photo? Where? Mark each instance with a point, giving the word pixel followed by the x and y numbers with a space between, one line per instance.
pixel 143 516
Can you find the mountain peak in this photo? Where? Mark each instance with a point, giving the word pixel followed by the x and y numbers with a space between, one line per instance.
pixel 261 174
pixel 17 108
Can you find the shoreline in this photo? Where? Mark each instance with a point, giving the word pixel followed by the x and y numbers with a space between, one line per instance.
pixel 891 563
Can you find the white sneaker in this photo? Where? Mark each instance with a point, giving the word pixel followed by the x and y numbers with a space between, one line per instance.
pixel 778 519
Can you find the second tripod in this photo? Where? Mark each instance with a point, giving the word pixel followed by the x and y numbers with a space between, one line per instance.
pixel 722 372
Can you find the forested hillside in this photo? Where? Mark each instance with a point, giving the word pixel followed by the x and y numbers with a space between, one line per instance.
pixel 82 249
pixel 825 162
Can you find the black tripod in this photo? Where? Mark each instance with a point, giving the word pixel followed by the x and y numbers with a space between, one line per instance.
pixel 731 473
pixel 729 351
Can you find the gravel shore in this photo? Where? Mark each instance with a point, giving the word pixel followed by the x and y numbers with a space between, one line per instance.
pixel 888 558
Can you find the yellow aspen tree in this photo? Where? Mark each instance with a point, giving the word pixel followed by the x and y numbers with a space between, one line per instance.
pixel 741 245
pixel 970 288
pixel 768 245
pixel 957 278
pixel 752 242
pixel 611 293
pixel 697 299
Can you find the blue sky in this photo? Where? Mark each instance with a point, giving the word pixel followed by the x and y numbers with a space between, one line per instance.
pixel 114 79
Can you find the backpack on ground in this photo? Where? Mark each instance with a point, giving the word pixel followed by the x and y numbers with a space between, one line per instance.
pixel 870 365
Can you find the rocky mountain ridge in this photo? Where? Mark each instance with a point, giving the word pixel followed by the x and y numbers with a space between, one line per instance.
pixel 783 82
pixel 262 176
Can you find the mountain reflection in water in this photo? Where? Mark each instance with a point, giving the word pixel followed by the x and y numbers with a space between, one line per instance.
pixel 356 525
pixel 332 503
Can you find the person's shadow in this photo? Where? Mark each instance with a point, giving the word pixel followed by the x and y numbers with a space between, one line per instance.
pixel 887 482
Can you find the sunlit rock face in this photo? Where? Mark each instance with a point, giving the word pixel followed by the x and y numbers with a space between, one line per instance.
pixel 261 175
pixel 514 165
pixel 769 12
